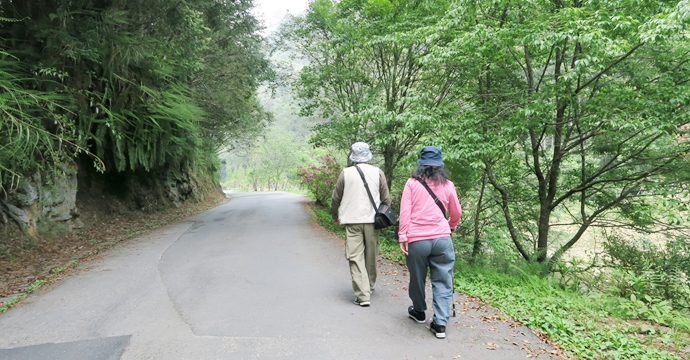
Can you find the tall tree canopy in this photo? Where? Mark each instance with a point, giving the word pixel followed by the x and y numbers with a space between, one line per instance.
pixel 572 114
pixel 141 84
pixel 577 111
pixel 365 75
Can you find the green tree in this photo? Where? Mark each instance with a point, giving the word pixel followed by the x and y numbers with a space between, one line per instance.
pixel 234 66
pixel 278 156
pixel 270 162
pixel 365 75
pixel 576 113
pixel 146 85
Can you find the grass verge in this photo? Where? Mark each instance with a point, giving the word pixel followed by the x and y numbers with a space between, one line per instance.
pixel 583 325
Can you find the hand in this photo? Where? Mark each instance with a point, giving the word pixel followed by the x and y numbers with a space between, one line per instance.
pixel 336 221
pixel 403 247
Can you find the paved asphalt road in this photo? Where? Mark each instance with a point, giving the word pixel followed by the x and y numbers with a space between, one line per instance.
pixel 252 278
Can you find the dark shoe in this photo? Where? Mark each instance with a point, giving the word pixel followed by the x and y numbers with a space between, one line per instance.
pixel 417 316
pixel 362 303
pixel 439 330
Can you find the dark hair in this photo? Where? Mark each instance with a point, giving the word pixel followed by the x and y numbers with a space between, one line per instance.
pixel 435 174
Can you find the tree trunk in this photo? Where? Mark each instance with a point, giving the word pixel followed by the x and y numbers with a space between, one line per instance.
pixel 506 212
pixel 477 241
pixel 4 209
pixel 389 163
pixel 543 233
pixel 549 184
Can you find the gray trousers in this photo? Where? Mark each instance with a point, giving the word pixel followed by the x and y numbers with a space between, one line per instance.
pixel 362 251
pixel 437 255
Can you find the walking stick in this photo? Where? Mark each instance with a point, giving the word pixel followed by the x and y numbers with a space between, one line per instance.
pixel 452 279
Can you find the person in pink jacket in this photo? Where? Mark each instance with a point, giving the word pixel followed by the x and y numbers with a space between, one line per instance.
pixel 424 236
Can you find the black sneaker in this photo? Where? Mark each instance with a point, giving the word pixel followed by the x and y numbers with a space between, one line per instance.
pixel 439 330
pixel 417 316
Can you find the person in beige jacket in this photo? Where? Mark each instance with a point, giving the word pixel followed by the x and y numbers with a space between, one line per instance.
pixel 351 206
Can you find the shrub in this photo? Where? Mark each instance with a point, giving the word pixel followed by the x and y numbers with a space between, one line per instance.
pixel 649 271
pixel 320 179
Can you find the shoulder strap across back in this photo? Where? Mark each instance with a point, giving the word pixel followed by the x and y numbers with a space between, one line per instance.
pixel 436 200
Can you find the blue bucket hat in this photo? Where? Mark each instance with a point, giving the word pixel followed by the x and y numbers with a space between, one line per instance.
pixel 430 155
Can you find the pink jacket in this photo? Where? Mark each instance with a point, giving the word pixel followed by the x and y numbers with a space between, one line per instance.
pixel 421 218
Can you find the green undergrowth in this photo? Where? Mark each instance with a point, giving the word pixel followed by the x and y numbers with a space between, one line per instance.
pixel 323 216
pixel 389 245
pixel 390 248
pixel 585 326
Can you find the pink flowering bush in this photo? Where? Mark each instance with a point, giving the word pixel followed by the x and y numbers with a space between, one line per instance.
pixel 320 179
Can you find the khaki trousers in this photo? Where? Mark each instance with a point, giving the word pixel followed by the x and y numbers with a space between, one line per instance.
pixel 362 251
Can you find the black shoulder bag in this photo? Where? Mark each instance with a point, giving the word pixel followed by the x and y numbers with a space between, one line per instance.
pixel 436 200
pixel 385 216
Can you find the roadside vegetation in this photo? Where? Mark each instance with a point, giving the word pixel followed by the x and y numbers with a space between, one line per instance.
pixel 112 110
pixel 565 308
pixel 564 126
pixel 124 89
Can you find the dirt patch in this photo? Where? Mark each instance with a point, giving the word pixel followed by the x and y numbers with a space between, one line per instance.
pixel 34 260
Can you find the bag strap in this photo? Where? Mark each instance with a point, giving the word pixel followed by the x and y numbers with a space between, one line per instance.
pixel 366 186
pixel 436 200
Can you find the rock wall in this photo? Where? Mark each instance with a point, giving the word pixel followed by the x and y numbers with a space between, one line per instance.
pixel 51 197
pixel 55 199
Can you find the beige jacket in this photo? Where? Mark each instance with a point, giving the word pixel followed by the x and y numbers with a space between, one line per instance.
pixel 350 203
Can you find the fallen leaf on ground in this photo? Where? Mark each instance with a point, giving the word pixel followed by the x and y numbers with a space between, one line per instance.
pixel 492 346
